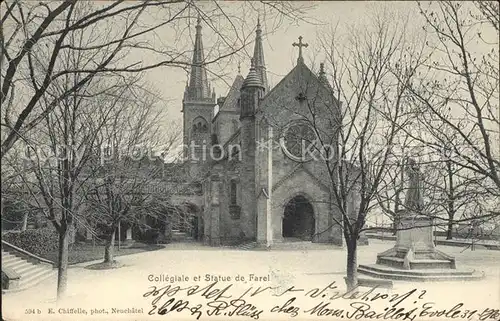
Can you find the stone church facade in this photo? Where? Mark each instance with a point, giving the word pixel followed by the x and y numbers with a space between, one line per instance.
pixel 255 185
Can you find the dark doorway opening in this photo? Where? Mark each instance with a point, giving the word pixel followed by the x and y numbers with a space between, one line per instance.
pixel 298 220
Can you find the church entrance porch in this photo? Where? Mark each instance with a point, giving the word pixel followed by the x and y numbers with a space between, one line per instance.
pixel 298 220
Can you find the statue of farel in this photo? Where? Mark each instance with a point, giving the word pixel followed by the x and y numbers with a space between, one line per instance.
pixel 414 200
pixel 415 251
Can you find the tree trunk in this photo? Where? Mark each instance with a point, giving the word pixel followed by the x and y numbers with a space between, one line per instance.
pixel 451 199
pixel 109 249
pixel 62 263
pixel 395 225
pixel 168 230
pixel 71 234
pixel 449 231
pixel 352 266
pixel 25 222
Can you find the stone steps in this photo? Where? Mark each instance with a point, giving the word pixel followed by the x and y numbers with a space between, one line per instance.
pixel 374 282
pixel 8 258
pixel 247 246
pixel 244 246
pixel 424 275
pixel 26 268
pixel 30 273
pixel 36 276
pixel 415 264
pixel 181 236
pixel 300 246
pixel 283 246
pixel 16 264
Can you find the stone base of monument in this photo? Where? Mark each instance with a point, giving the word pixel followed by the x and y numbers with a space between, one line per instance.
pixel 415 257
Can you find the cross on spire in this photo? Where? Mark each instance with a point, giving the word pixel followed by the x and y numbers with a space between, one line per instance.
pixel 300 45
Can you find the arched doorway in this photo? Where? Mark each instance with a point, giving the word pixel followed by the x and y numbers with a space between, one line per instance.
pixel 298 219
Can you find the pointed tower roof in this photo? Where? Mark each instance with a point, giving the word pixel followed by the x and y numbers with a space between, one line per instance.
pixel 198 88
pixel 258 57
pixel 252 79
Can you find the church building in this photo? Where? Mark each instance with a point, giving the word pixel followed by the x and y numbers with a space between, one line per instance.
pixel 246 153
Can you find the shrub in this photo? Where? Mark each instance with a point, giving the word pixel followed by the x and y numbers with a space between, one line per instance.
pixel 150 236
pixel 37 241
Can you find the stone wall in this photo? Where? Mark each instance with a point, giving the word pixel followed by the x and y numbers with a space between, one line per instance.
pixel 302 183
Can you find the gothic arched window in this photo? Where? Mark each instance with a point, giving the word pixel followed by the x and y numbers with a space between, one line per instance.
pixel 200 125
pixel 298 137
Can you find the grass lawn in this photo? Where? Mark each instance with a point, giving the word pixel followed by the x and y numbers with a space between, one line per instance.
pixel 84 252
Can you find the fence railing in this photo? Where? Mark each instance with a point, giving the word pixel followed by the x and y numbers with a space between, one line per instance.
pixel 24 253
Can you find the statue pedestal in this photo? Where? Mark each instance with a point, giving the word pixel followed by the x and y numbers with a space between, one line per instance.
pixel 415 233
pixel 415 246
pixel 414 257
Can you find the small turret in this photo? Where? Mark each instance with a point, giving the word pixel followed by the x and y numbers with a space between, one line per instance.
pixel 252 79
pixel 251 91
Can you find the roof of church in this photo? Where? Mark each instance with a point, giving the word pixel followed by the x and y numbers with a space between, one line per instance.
pixel 300 67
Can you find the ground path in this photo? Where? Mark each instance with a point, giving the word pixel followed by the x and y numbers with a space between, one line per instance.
pixel 124 287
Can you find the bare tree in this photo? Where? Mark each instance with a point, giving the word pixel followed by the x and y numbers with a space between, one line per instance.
pixel 33 33
pixel 370 77
pixel 457 90
pixel 453 191
pixel 391 199
pixel 60 151
pixel 448 190
pixel 128 170
pixel 65 66
pixel 353 125
pixel 489 12
pixel 10 172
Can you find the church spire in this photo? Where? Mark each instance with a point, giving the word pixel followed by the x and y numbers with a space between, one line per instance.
pixel 258 57
pixel 198 88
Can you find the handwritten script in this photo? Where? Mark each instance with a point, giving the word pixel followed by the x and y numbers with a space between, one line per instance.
pixel 223 299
